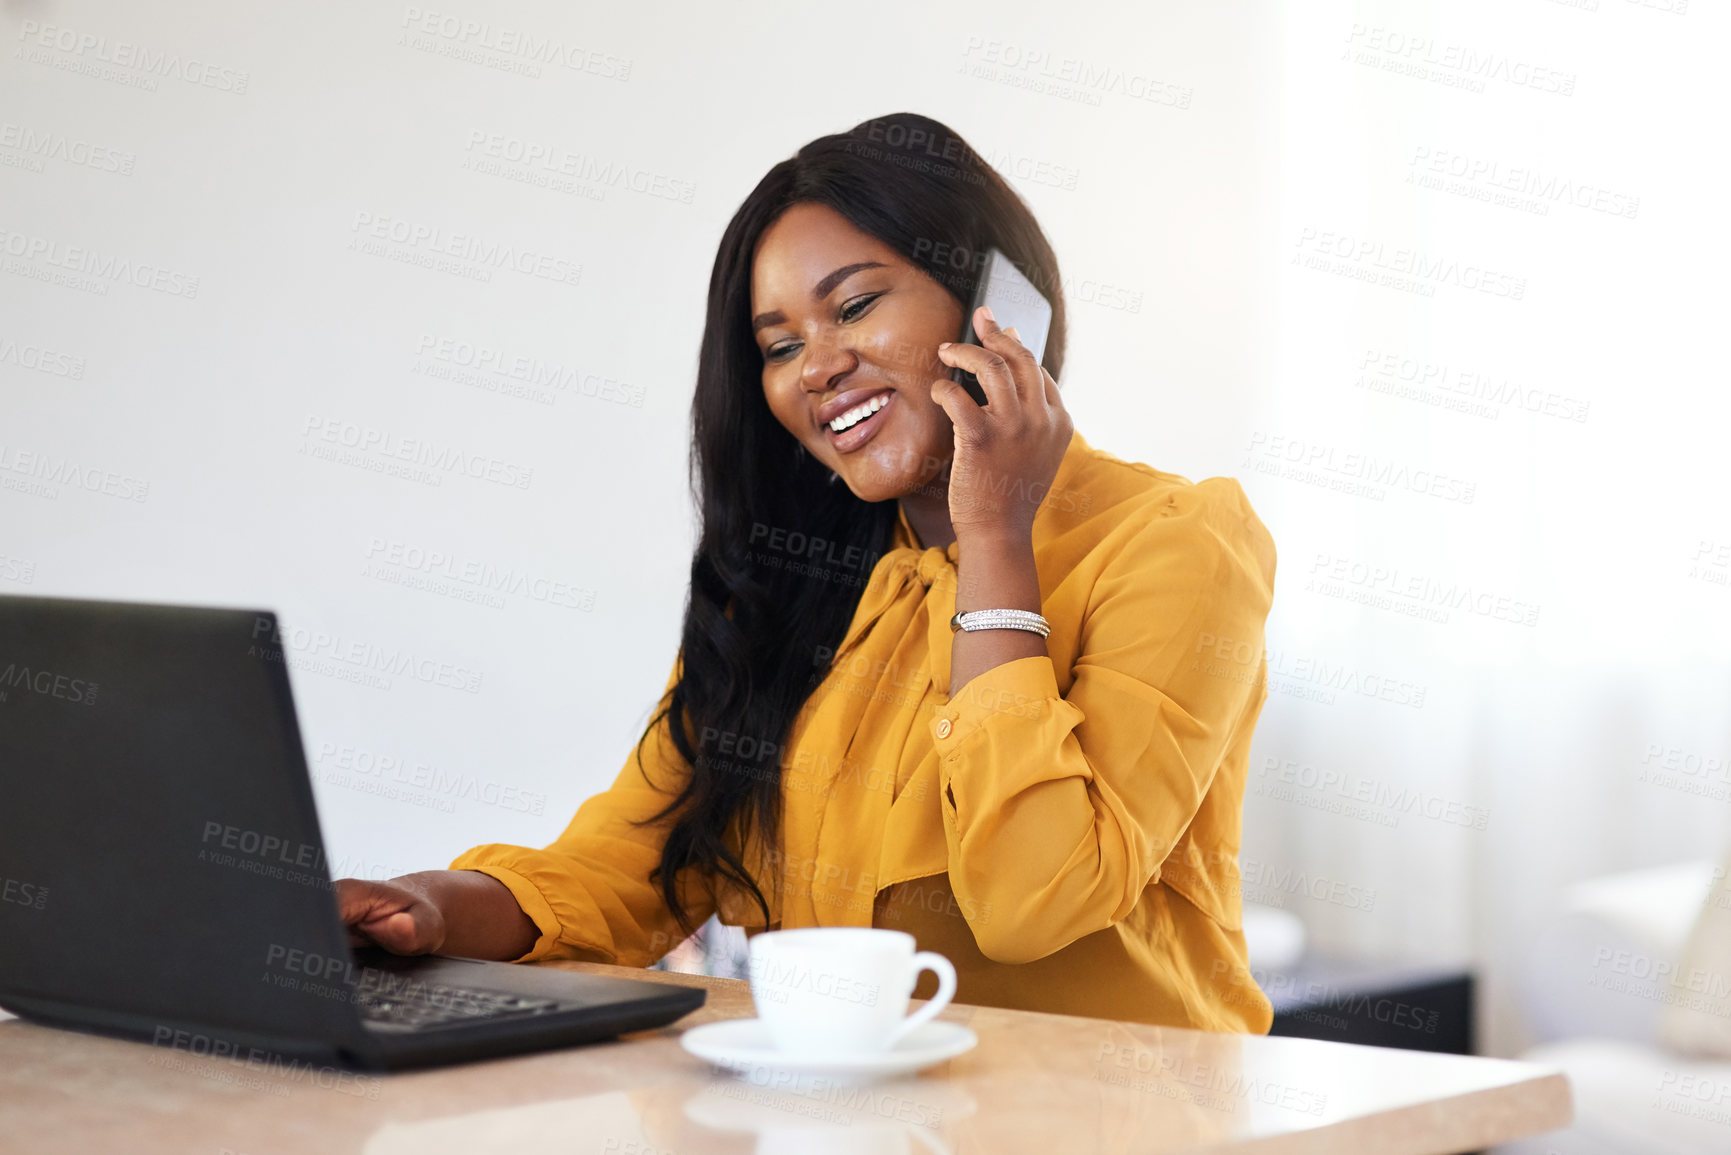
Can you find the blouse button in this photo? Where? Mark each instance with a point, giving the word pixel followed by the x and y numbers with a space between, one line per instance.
pixel 943 727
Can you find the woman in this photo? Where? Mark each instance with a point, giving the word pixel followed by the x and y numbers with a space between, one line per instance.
pixel 1058 813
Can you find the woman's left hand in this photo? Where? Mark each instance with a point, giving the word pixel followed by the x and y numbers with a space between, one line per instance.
pixel 1008 450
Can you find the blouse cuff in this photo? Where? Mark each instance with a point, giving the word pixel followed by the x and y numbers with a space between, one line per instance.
pixel 1008 703
pixel 497 861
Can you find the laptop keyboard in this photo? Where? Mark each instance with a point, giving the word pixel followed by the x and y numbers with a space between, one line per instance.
pixel 391 1003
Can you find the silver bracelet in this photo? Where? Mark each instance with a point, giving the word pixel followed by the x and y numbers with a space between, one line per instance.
pixel 1001 620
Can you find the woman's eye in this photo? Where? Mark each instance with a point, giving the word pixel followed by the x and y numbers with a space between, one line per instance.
pixel 851 311
pixel 858 305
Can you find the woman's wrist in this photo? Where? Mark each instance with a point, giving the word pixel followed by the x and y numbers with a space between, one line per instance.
pixel 995 536
pixel 481 916
pixel 996 571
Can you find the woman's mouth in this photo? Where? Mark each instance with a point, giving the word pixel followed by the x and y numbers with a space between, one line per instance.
pixel 859 424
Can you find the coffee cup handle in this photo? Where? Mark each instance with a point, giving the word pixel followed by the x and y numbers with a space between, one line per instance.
pixel 939 965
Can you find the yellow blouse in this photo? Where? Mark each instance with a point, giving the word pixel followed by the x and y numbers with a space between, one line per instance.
pixel 1066 829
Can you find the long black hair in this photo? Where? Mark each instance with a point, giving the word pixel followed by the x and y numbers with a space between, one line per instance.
pixel 755 631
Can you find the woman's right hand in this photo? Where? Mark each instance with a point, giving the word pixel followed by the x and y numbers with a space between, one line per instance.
pixel 465 913
pixel 391 915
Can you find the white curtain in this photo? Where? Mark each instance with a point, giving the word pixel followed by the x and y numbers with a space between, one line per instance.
pixel 1494 456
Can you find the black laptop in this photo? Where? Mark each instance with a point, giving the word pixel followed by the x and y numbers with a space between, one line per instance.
pixel 162 876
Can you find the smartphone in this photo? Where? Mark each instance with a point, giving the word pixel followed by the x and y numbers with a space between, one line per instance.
pixel 1013 300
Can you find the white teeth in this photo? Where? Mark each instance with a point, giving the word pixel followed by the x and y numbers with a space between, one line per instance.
pixel 859 413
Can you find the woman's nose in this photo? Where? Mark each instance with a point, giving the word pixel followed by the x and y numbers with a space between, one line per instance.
pixel 825 362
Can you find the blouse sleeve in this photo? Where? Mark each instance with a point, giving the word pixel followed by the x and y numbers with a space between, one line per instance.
pixel 1060 810
pixel 589 892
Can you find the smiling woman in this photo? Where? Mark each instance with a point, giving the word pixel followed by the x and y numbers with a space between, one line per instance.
pixel 945 667
pixel 879 323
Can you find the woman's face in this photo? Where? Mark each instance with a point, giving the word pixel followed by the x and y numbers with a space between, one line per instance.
pixel 843 320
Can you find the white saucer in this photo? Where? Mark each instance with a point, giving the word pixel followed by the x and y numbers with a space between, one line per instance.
pixel 744 1045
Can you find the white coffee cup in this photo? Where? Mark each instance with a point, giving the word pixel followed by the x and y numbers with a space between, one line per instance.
pixel 842 990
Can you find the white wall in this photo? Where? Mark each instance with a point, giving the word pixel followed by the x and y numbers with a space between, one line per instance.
pixel 1177 181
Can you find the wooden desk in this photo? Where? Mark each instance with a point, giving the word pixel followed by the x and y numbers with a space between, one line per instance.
pixel 1040 1083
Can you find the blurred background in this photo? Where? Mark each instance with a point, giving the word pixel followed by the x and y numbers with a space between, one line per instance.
pixel 1443 285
